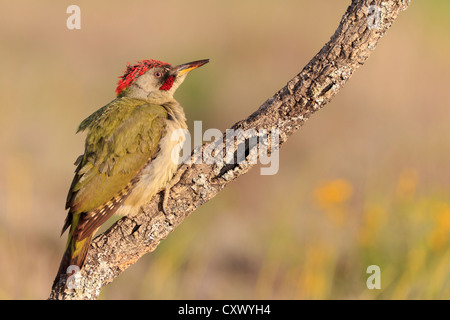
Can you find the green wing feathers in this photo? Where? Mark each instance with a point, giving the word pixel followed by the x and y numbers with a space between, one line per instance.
pixel 122 137
pixel 120 141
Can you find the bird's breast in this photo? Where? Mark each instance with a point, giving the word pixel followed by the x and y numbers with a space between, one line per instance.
pixel 158 171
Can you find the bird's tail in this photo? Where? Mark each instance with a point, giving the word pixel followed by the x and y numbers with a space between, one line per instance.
pixel 74 256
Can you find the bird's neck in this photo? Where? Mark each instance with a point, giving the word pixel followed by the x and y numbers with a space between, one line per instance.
pixel 176 113
pixel 162 98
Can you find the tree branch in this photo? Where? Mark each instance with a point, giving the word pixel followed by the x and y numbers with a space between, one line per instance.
pixel 320 80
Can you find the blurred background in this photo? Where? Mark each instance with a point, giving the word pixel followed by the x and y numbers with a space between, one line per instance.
pixel 370 185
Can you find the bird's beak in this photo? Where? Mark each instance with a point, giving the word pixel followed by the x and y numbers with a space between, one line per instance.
pixel 186 67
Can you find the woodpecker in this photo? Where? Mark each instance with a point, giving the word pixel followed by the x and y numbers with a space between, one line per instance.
pixel 129 152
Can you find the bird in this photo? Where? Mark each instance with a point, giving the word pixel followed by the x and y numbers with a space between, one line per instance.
pixel 129 153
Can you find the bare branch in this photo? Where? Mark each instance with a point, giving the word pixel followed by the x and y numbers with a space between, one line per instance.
pixel 357 35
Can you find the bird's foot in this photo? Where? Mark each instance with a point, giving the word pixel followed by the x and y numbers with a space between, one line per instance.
pixel 169 186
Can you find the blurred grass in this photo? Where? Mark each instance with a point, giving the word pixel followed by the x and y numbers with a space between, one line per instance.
pixel 365 181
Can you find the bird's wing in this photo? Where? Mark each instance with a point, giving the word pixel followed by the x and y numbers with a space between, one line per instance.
pixel 123 137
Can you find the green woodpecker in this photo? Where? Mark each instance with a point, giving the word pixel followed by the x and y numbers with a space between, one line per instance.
pixel 128 153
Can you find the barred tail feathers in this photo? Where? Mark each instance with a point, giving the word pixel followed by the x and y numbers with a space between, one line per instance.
pixel 75 253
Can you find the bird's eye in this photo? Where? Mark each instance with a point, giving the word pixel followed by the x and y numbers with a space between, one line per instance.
pixel 158 74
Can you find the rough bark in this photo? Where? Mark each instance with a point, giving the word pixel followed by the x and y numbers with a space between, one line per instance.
pixel 320 80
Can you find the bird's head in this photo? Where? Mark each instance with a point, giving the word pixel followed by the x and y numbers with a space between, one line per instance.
pixel 154 80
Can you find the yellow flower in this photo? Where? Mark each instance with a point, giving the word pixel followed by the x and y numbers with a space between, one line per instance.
pixel 331 197
pixel 439 235
pixel 333 192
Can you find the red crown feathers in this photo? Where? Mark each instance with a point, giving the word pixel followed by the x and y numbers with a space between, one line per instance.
pixel 134 71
